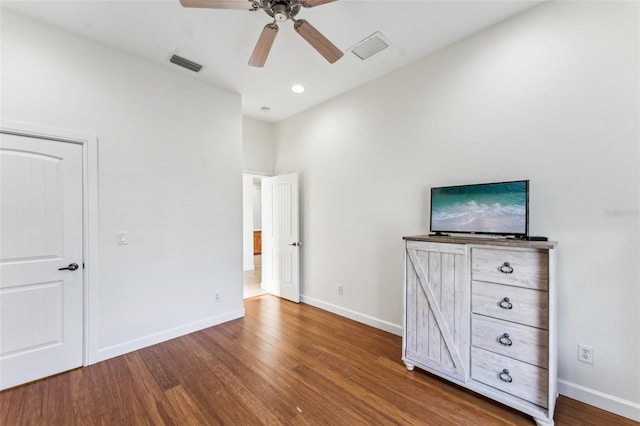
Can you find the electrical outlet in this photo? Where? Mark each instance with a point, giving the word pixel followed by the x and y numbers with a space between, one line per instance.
pixel 340 290
pixel 217 297
pixel 585 353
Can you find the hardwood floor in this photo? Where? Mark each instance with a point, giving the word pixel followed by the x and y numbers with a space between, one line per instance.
pixel 281 364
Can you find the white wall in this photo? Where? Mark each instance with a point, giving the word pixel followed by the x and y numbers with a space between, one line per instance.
pixel 258 159
pixel 551 96
pixel 170 162
pixel 247 223
pixel 258 146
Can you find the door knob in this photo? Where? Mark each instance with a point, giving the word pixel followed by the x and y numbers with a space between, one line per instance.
pixel 71 267
pixel 296 244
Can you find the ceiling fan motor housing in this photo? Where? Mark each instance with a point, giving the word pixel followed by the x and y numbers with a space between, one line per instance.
pixel 281 10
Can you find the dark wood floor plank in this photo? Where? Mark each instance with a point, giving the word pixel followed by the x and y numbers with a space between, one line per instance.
pixel 284 363
pixel 191 365
pixel 322 356
pixel 24 404
pixel 154 362
pixel 298 398
pixel 572 412
pixel 451 398
pixel 240 380
pixel 332 392
pixel 359 362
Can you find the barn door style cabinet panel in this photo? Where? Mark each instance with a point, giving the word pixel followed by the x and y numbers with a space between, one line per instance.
pixel 436 332
pixel 481 313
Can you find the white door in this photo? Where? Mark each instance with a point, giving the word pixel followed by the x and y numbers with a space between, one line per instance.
pixel 280 237
pixel 41 306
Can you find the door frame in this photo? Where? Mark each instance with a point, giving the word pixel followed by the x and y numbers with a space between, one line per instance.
pixel 89 143
pixel 252 174
pixel 245 237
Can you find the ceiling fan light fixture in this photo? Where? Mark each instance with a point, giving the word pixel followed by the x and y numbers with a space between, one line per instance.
pixel 298 88
pixel 280 12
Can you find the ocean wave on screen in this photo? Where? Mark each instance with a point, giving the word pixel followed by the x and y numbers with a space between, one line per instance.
pixel 472 210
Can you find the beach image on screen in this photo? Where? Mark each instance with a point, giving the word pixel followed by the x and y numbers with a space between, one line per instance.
pixel 499 208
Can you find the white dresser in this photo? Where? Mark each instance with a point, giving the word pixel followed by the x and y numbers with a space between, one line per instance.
pixel 481 313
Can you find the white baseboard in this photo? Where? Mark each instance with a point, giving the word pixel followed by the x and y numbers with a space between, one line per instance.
pixel 152 339
pixel 356 316
pixel 613 404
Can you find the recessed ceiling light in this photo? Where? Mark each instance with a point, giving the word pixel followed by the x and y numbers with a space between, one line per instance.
pixel 297 88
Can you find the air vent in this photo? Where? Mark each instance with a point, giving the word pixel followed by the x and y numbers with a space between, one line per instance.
pixel 370 46
pixel 185 63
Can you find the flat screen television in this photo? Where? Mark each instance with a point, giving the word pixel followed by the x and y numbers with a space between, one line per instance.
pixel 500 208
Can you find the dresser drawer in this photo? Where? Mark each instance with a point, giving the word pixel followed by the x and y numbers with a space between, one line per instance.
pixel 520 305
pixel 527 344
pixel 514 377
pixel 518 268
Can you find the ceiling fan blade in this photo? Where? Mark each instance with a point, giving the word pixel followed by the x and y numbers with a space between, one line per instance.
pixel 263 47
pixel 319 42
pixel 313 3
pixel 219 4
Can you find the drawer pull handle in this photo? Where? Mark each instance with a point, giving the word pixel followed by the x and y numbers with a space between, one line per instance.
pixel 506 268
pixel 505 377
pixel 504 340
pixel 505 303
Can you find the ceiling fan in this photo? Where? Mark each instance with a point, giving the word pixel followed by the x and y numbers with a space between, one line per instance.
pixel 280 11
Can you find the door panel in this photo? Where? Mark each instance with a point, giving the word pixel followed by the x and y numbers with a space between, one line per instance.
pixel 41 308
pixel 437 305
pixel 280 234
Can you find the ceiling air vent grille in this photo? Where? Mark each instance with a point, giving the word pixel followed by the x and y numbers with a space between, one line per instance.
pixel 370 46
pixel 185 63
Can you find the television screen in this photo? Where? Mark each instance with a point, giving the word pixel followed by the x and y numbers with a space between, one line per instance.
pixel 489 208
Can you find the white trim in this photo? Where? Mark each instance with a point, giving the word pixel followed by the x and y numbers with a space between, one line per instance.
pixel 613 404
pixel 247 260
pixel 257 174
pixel 356 316
pixel 89 144
pixel 163 336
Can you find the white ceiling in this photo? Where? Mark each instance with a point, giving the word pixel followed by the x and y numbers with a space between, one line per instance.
pixel 223 40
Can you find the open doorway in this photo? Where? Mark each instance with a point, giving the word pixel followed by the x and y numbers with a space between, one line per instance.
pixel 253 279
pixel 252 236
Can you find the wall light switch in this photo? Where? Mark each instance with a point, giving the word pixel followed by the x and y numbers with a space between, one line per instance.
pixel 122 239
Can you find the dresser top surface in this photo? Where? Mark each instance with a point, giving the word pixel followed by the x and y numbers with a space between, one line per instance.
pixel 478 241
